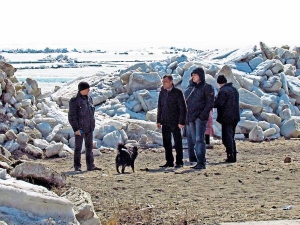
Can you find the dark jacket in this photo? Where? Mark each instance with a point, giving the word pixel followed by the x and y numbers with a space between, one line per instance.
pixel 81 113
pixel 227 104
pixel 199 99
pixel 171 109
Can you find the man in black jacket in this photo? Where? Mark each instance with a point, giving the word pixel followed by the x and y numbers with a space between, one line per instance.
pixel 227 104
pixel 171 113
pixel 199 98
pixel 81 118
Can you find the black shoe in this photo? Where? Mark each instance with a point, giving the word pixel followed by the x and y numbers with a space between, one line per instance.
pixel 178 165
pixel 95 168
pixel 230 160
pixel 198 167
pixel 167 165
pixel 78 169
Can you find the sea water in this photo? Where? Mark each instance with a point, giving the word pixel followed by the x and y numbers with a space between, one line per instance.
pixel 48 75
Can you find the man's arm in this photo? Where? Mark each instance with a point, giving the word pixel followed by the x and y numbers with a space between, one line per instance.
pixel 220 99
pixel 158 120
pixel 209 103
pixel 182 108
pixel 72 115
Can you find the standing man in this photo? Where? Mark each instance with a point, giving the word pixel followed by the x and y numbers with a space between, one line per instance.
pixel 199 98
pixel 227 104
pixel 171 113
pixel 81 117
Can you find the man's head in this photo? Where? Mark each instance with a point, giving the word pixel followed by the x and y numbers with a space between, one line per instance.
pixel 221 80
pixel 198 75
pixel 84 88
pixel 167 81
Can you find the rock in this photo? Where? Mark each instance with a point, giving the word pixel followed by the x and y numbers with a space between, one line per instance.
pixel 10 135
pixel 8 69
pixel 83 206
pixel 34 151
pixel 4 165
pixel 112 139
pixel 39 172
pixel 262 68
pixel 249 100
pixel 256 134
pixel 287 159
pixel 271 118
pixel 148 99
pixel 3 174
pixel 33 201
pixel 45 128
pixel 269 53
pixel 155 137
pixel 253 63
pixel 134 131
pixel 290 128
pixel 53 149
pixel 140 81
pixel 152 115
pixel 269 132
pixel 22 138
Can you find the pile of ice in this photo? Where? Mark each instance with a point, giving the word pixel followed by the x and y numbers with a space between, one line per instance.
pixel 126 102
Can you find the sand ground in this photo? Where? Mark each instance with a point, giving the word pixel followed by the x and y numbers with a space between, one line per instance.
pixel 256 188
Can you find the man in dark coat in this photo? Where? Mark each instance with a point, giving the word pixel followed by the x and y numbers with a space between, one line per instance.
pixel 81 118
pixel 227 104
pixel 171 113
pixel 199 98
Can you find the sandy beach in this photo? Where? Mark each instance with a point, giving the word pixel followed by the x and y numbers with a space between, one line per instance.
pixel 256 188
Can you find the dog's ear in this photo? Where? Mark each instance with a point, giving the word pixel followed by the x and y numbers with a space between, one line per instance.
pixel 120 146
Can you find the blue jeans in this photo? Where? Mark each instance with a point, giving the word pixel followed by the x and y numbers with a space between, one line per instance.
pixel 197 131
pixel 191 144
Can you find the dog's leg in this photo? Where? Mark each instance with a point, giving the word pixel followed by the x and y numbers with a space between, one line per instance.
pixel 123 169
pixel 132 166
pixel 117 167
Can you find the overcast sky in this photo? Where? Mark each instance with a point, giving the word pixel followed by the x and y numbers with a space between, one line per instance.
pixel 99 24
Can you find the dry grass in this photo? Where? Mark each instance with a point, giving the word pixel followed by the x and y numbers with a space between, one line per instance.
pixel 255 188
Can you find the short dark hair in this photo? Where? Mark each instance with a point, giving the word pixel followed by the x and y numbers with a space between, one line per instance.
pixel 169 76
pixel 199 71
pixel 221 79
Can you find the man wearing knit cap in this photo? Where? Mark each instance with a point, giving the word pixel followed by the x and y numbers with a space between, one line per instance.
pixel 227 104
pixel 81 118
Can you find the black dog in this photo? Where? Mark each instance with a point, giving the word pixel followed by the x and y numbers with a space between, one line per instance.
pixel 125 157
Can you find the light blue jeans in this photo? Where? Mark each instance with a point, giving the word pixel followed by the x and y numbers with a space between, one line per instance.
pixel 197 129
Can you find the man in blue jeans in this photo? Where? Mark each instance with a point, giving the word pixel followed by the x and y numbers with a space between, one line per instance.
pixel 199 98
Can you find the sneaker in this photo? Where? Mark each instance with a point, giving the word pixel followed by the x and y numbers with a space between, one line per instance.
pixel 78 169
pixel 178 165
pixel 167 165
pixel 198 167
pixel 95 168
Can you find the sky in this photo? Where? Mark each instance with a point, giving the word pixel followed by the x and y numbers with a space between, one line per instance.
pixel 103 24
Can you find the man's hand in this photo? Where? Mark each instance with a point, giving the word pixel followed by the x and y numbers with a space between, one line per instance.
pixel 77 132
pixel 158 125
pixel 180 126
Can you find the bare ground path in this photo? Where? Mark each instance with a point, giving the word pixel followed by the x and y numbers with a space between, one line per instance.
pixel 256 188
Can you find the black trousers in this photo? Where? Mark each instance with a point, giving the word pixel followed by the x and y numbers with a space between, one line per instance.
pixel 88 140
pixel 228 132
pixel 167 132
